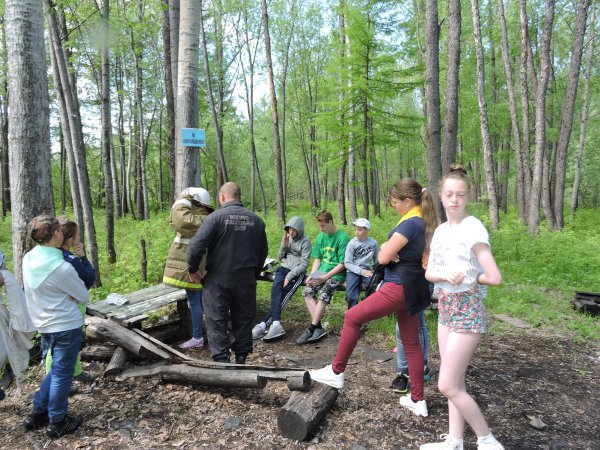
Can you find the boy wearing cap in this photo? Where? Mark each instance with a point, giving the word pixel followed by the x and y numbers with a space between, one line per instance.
pixel 361 256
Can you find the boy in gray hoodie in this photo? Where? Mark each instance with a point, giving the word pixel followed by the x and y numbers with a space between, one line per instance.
pixel 294 254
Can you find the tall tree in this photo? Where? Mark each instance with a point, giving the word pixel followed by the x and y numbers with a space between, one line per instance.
pixel 341 184
pixel 187 163
pixel 433 144
pixel 584 115
pixel 566 121
pixel 168 54
pixel 483 119
pixel 452 84
pixel 533 217
pixel 274 115
pixel 28 129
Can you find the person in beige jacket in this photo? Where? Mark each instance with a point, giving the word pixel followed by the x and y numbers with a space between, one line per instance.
pixel 187 215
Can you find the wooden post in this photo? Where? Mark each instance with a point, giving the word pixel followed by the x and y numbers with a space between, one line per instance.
pixel 298 418
pixel 144 261
pixel 117 362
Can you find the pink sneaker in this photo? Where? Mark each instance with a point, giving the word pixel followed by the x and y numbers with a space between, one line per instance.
pixel 192 343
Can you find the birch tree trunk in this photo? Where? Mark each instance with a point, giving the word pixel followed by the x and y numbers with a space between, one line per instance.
pixel 187 163
pixel 526 141
pixel 514 120
pixel 169 97
pixel 28 128
pixel 452 84
pixel 174 19
pixel 274 115
pixel 533 218
pixel 4 178
pixel 106 139
pixel 351 143
pixel 566 121
pixel 483 120
pixel 341 183
pixel 584 115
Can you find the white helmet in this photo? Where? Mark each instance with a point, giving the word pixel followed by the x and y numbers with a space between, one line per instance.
pixel 199 194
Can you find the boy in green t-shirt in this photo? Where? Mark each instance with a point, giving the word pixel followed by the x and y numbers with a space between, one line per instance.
pixel 328 272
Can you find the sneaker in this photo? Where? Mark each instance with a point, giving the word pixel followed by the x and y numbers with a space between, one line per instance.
pixel 66 426
pixel 327 376
pixel 418 408
pixel 192 343
pixel 2 394
pixel 489 442
pixel 241 359
pixel 401 383
pixel 275 332
pixel 317 335
pixel 448 443
pixel 35 421
pixel 304 337
pixel 86 377
pixel 259 330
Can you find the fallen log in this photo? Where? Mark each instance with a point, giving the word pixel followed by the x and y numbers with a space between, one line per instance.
pixel 298 418
pixel 126 338
pixel 117 362
pixel 97 352
pixel 199 375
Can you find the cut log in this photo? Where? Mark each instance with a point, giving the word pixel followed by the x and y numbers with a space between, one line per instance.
pixel 113 332
pixel 97 352
pixel 117 362
pixel 299 417
pixel 198 375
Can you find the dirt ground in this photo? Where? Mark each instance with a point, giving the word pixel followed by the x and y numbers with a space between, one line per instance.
pixel 517 376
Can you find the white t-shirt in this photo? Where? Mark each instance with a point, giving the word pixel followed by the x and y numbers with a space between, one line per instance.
pixel 452 249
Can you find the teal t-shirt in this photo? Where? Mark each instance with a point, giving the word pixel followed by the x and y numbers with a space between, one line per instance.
pixel 331 250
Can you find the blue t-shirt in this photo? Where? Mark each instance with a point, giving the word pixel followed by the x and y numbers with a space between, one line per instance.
pixel 83 267
pixel 411 254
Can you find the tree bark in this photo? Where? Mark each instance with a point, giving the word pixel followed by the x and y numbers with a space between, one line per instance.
pixel 526 141
pixel 584 116
pixel 274 115
pixel 514 120
pixel 341 182
pixel 483 120
pixel 117 362
pixel 28 128
pixel 187 162
pixel 452 84
pixel 533 218
pixel 169 97
pixel 433 158
pixel 566 121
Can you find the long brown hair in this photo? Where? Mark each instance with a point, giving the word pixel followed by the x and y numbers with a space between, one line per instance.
pixel 41 228
pixel 410 188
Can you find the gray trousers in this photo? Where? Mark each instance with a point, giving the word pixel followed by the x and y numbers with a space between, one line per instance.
pixel 224 299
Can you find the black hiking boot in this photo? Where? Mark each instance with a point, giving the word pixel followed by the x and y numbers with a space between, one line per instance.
pixel 68 425
pixel 241 359
pixel 35 421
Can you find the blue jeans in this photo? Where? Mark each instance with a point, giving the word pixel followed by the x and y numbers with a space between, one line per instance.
pixel 194 299
pixel 354 284
pixel 401 361
pixel 280 296
pixel 53 394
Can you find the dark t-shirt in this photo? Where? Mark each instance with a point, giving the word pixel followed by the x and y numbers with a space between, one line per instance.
pixel 411 254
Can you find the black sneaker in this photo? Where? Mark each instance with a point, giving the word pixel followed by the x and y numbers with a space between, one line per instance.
pixel 401 384
pixel 35 421
pixel 241 359
pixel 66 426
pixel 2 394
pixel 86 377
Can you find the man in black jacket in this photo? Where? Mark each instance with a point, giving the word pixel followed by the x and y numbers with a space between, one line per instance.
pixel 237 246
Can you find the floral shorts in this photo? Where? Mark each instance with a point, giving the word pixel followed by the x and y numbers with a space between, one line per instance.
pixel 463 312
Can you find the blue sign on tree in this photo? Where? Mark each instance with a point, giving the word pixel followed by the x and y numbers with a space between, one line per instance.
pixel 193 137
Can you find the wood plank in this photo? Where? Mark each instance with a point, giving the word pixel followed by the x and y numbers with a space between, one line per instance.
pixel 164 346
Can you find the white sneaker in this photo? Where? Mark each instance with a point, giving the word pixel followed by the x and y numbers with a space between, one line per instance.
pixel 418 408
pixel 326 375
pixel 275 332
pixel 192 343
pixel 259 330
pixel 448 443
pixel 489 442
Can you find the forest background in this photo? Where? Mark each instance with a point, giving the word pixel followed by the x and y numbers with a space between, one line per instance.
pixel 306 105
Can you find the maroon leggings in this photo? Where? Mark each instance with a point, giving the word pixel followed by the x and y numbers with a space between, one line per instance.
pixel 387 300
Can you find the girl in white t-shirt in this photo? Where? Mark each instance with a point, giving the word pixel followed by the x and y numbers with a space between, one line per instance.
pixel 460 263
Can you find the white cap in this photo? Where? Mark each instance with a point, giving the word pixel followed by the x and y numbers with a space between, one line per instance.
pixel 360 222
pixel 199 194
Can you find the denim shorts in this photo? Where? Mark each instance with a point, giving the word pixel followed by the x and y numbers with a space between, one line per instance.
pixel 329 287
pixel 463 312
